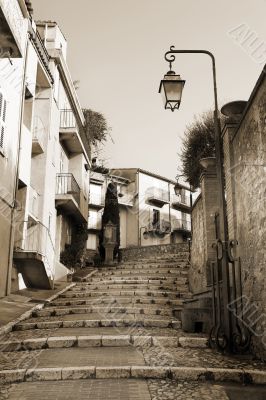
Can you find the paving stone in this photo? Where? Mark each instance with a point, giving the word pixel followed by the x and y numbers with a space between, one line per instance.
pixel 72 373
pixel 34 344
pixel 165 341
pixel 112 372
pixel 58 342
pixel 90 341
pixel 43 374
pixel 121 341
pixel 193 342
pixel 149 372
pixel 10 376
pixel 188 373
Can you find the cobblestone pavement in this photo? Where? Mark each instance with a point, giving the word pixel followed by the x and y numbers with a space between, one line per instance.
pixel 196 358
pixel 168 390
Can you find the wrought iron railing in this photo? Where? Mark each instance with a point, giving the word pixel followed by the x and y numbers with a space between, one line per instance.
pixel 181 224
pixel 67 184
pixel 67 119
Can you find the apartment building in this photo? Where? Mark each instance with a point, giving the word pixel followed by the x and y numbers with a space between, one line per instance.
pixel 52 180
pixel 14 18
pixel 153 209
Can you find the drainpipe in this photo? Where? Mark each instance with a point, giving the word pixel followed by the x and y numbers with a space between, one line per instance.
pixel 13 209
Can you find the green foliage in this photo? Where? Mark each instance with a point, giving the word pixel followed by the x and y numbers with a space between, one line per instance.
pixel 198 143
pixel 74 255
pixel 111 213
pixel 96 127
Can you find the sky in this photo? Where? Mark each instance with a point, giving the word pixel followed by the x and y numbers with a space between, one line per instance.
pixel 116 50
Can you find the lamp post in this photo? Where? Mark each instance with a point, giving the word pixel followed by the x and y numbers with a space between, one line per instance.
pixel 171 88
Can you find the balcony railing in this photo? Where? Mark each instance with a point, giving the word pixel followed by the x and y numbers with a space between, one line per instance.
pixel 66 184
pixel 181 225
pixel 157 196
pixel 67 119
pixel 181 201
pixel 162 226
pixel 35 238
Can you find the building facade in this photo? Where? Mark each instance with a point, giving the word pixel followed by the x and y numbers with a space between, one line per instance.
pixel 51 180
pixel 153 210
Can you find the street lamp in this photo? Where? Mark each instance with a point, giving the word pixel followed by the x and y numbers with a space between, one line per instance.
pixel 171 88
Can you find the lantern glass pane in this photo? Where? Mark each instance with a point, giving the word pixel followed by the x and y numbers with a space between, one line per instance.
pixel 173 90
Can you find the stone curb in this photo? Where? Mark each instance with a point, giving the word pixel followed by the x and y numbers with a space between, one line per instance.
pixel 9 326
pixel 85 341
pixel 124 322
pixel 243 376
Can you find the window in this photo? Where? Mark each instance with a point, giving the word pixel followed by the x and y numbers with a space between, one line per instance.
pixel 155 219
pixel 3 105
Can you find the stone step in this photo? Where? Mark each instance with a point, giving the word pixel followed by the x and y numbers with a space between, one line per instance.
pixel 153 287
pixel 85 321
pixel 145 267
pixel 170 294
pixel 115 340
pixel 118 300
pixel 146 310
pixel 136 280
pixel 137 372
pixel 127 273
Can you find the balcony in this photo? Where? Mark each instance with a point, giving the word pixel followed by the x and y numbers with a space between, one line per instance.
pixel 94 224
pixel 69 198
pixel 44 57
pixel 38 137
pixel 34 254
pixel 69 132
pixel 126 200
pixel 181 202
pixel 158 197
pixel 162 227
pixel 34 198
pixel 96 201
pixel 179 225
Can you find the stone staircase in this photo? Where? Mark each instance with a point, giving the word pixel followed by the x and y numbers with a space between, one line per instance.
pixel 120 322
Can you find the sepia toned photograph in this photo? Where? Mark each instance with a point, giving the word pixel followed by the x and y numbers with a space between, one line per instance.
pixel 132 200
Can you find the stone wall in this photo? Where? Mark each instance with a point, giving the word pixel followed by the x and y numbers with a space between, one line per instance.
pixel 203 228
pixel 197 268
pixel 246 208
pixel 134 253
